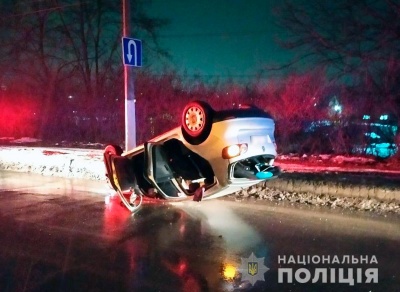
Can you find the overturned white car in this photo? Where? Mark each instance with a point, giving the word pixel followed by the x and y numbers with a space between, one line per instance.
pixel 212 154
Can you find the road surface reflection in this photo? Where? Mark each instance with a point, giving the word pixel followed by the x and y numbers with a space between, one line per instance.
pixel 183 246
pixel 58 235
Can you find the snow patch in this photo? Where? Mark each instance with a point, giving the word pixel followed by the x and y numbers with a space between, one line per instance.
pixel 74 163
pixel 26 140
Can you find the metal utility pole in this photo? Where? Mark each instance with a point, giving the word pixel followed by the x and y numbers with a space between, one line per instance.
pixel 130 116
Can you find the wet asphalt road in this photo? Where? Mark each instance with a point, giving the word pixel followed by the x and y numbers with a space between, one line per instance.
pixel 60 235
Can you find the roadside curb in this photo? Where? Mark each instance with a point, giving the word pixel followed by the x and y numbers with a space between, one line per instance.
pixel 88 164
pixel 336 187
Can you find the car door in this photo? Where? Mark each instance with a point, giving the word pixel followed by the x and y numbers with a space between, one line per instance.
pixel 159 172
pixel 120 171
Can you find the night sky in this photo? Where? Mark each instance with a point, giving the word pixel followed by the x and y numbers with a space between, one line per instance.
pixel 220 38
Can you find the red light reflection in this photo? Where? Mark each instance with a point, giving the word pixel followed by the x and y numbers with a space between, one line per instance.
pixel 19 116
pixel 115 217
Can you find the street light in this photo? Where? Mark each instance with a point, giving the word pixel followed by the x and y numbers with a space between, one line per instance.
pixel 130 117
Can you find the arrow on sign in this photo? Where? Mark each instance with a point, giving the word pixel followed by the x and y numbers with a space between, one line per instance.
pixel 129 55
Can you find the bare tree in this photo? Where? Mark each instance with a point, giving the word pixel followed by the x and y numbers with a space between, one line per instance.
pixel 295 102
pixel 70 48
pixel 358 40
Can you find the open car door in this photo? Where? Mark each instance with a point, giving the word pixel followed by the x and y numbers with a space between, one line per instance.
pixel 121 175
pixel 159 172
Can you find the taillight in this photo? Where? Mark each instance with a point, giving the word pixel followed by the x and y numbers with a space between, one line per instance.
pixel 234 150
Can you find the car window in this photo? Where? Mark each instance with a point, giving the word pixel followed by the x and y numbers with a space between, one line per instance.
pixel 162 172
pixel 186 163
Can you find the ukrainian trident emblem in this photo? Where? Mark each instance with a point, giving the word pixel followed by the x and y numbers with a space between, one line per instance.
pixel 253 269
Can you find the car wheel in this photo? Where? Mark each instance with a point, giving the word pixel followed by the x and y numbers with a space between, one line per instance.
pixel 196 122
pixel 113 150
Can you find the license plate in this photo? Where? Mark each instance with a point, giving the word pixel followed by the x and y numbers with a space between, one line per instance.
pixel 260 140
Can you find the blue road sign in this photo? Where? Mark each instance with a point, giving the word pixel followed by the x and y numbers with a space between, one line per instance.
pixel 132 52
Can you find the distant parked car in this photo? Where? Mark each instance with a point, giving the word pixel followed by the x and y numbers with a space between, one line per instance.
pixel 212 154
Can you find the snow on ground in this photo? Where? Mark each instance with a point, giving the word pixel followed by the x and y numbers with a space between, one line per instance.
pixel 88 164
pixel 336 163
pixel 62 162
pixel 24 140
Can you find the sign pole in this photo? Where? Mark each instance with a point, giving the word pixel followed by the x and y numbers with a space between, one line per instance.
pixel 130 117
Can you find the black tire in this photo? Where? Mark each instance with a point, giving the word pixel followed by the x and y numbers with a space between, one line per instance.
pixel 197 119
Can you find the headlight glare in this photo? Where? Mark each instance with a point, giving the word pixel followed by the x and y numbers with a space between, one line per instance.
pixel 234 150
